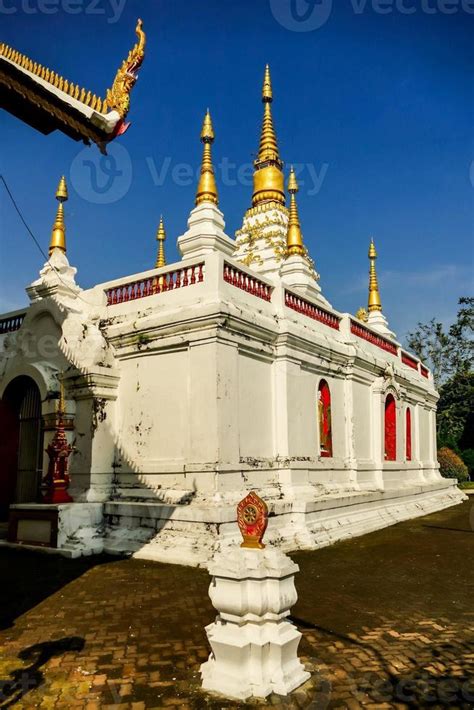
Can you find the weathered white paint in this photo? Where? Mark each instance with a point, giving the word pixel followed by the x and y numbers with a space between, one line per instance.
pixel 254 646
pixel 187 399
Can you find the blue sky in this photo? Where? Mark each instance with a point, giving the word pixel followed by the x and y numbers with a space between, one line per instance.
pixel 375 107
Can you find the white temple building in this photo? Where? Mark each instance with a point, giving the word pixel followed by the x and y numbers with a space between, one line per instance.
pixel 190 384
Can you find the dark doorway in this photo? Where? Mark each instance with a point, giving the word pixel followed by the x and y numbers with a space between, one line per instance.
pixel 21 444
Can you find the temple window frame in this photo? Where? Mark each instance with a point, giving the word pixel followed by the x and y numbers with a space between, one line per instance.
pixel 324 414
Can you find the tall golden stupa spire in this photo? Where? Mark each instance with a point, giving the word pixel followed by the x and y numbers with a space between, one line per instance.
pixel 207 189
pixel 268 180
pixel 375 303
pixel 58 234
pixel 294 239
pixel 160 238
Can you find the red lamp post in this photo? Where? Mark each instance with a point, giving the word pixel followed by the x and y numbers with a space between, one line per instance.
pixel 56 481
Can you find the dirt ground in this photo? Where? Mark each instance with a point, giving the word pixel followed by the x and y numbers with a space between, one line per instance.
pixel 387 622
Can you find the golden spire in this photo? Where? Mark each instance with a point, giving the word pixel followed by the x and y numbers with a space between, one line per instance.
pixel 268 181
pixel 58 235
pixel 207 189
pixel 294 238
pixel 374 295
pixel 160 237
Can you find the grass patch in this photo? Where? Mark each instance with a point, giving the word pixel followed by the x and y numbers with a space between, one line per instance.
pixel 466 484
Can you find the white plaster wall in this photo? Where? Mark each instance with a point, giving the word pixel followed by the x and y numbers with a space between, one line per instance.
pixel 425 433
pixel 255 404
pixel 363 421
pixel 302 414
pixel 154 408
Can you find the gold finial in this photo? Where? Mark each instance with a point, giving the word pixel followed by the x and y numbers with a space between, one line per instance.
pixel 294 238
pixel 61 401
pixel 207 189
pixel 267 93
pixel 58 235
pixel 268 181
pixel 374 294
pixel 160 237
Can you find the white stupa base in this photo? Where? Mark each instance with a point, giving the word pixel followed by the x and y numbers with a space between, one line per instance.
pixel 57 278
pixel 205 233
pixel 378 322
pixel 297 274
pixel 254 646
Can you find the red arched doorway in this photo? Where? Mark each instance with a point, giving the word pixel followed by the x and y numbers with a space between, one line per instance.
pixel 390 437
pixel 324 417
pixel 21 443
pixel 408 434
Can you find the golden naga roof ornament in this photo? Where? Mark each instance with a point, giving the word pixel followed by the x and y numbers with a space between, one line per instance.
pixel 294 238
pixel 118 96
pixel 160 237
pixel 207 188
pixel 268 180
pixel 375 303
pixel 58 234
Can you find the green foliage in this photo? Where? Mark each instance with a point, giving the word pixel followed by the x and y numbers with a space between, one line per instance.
pixel 450 355
pixel 446 352
pixel 468 457
pixel 455 408
pixel 451 466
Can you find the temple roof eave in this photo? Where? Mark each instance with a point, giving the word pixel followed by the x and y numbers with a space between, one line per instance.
pixel 47 108
pixel 46 101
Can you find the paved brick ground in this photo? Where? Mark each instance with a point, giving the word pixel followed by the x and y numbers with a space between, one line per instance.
pixel 387 619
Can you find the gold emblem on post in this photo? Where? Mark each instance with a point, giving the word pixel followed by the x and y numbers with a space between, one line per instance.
pixel 252 519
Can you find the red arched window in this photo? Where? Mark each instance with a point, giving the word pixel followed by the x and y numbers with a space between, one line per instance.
pixel 390 428
pixel 324 417
pixel 408 434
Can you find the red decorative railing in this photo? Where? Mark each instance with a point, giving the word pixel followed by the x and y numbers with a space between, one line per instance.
pixel 409 360
pixel 179 278
pixel 250 284
pixel 12 323
pixel 371 337
pixel 424 371
pixel 300 305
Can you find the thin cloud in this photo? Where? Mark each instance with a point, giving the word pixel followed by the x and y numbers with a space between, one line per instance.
pixel 461 275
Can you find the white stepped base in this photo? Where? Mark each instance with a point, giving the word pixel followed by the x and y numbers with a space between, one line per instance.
pixel 191 534
pixel 80 528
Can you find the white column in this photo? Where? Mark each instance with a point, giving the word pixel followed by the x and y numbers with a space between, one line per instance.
pixel 254 646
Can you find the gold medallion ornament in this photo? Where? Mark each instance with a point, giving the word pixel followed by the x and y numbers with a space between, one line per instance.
pixel 252 519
